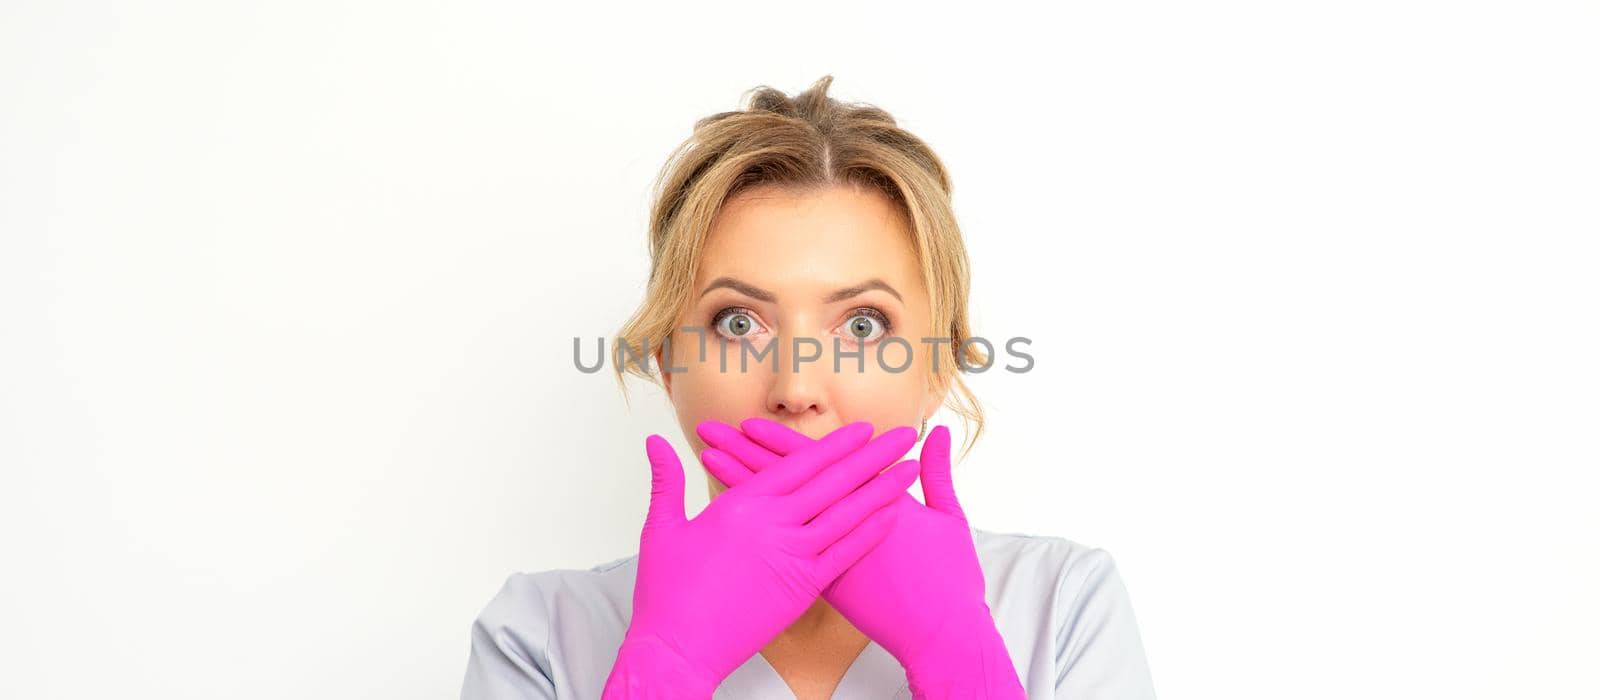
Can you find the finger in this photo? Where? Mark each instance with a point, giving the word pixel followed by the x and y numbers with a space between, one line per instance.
pixel 854 545
pixel 666 482
pixel 850 472
pixel 850 511
pixel 938 488
pixel 724 468
pixel 785 475
pixel 774 436
pixel 728 439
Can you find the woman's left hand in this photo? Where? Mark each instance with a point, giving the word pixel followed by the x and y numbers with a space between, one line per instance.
pixel 920 592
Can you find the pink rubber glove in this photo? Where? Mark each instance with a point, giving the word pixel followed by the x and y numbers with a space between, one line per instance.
pixel 920 593
pixel 712 591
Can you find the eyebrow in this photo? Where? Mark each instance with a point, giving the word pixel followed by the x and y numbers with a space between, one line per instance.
pixel 839 295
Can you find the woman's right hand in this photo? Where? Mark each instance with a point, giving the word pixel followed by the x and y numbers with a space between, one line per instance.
pixel 712 591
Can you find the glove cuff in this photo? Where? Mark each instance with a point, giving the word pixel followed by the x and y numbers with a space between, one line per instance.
pixel 648 668
pixel 967 659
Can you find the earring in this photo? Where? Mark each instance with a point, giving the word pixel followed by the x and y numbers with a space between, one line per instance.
pixel 923 430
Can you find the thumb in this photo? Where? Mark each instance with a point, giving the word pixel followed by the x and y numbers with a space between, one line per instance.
pixel 938 490
pixel 666 483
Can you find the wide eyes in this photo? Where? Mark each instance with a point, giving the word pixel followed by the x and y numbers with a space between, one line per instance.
pixel 733 323
pixel 864 325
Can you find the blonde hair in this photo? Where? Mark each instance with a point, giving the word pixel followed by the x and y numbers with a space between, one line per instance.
pixel 804 142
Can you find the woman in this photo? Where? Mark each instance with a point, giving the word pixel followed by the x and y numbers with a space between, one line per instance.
pixel 804 255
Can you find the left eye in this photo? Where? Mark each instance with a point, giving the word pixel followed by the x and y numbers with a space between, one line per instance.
pixel 865 327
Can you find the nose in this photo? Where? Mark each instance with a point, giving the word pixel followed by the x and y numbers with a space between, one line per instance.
pixel 797 391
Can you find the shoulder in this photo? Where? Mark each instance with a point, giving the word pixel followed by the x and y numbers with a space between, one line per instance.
pixel 1053 575
pixel 1039 563
pixel 535 598
pixel 1066 615
pixel 525 635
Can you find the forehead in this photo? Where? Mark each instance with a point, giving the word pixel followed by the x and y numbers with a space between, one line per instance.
pixel 826 238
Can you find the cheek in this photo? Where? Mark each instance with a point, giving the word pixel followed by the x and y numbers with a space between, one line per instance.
pixel 902 368
pixel 703 389
pixel 885 398
pixel 703 394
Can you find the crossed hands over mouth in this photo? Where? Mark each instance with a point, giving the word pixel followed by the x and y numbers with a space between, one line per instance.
pixel 804 518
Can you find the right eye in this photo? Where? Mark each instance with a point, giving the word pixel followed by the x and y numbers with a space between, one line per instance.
pixel 734 323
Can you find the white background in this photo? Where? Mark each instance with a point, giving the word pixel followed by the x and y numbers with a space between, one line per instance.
pixel 288 293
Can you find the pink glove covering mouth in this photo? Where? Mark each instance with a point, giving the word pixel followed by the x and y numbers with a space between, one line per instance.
pixel 711 591
pixel 919 593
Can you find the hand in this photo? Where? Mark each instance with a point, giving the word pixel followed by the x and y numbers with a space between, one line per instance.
pixel 920 593
pixel 712 591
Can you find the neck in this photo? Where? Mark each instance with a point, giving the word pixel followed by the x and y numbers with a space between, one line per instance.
pixel 819 625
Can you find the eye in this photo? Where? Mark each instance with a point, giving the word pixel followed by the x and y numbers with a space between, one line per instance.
pixel 734 323
pixel 866 325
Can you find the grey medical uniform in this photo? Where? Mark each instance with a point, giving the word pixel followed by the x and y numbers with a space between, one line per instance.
pixel 1060 606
